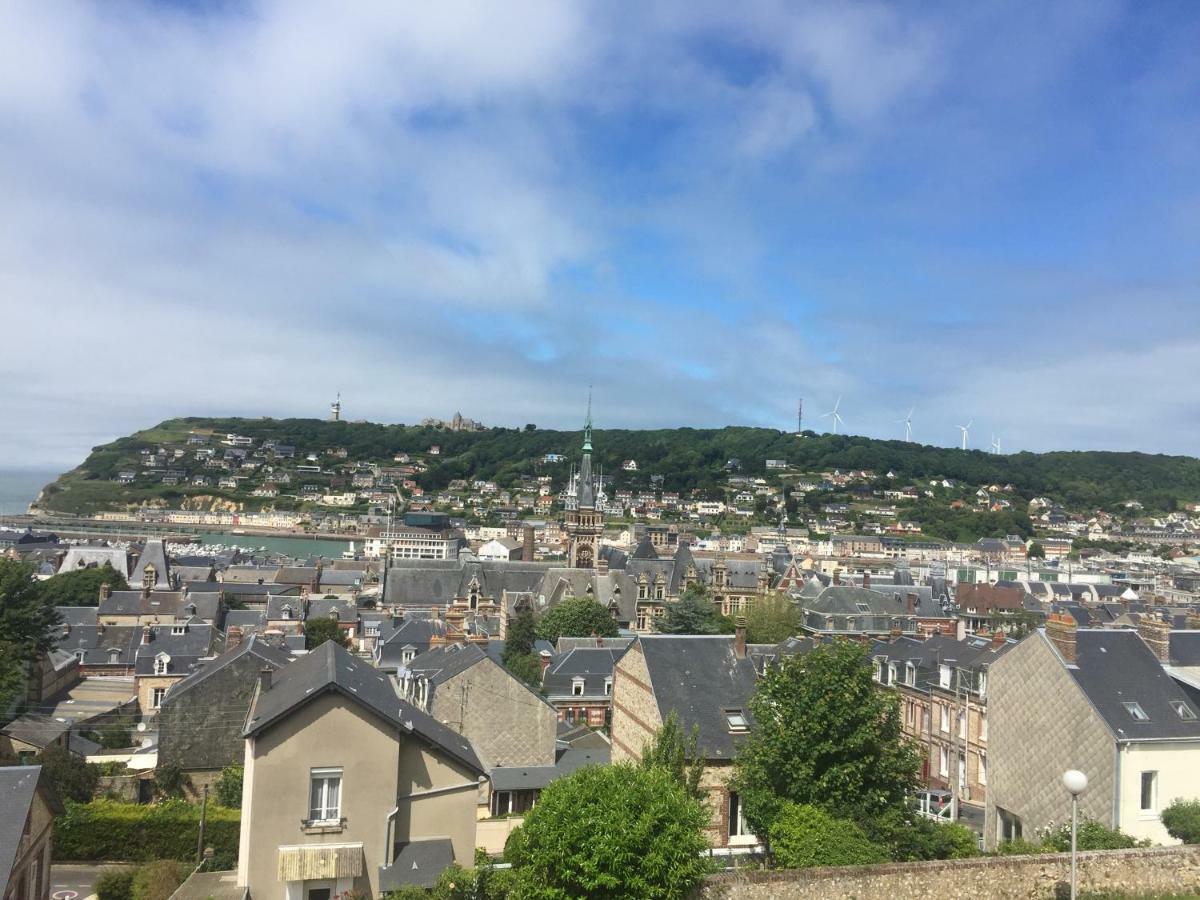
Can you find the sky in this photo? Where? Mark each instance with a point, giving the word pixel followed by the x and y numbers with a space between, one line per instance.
pixel 984 212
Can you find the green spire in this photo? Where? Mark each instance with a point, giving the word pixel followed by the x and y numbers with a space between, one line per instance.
pixel 587 425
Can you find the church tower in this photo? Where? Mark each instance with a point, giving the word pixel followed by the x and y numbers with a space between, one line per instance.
pixel 584 522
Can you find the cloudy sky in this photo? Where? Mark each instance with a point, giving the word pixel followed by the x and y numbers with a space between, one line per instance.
pixel 986 211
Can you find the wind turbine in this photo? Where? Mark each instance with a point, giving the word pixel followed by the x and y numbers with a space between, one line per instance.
pixel 995 444
pixel 837 418
pixel 965 429
pixel 907 422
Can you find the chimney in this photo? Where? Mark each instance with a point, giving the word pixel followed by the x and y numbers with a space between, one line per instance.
pixel 866 580
pixel 911 603
pixel 998 639
pixel 105 591
pixel 544 660
pixel 1193 621
pixel 527 544
pixel 397 617
pixel 264 679
pixel 233 637
pixel 739 638
pixel 147 634
pixel 599 640
pixel 960 629
pixel 183 591
pixel 1157 635
pixel 602 565
pixel 1061 629
pixel 837 576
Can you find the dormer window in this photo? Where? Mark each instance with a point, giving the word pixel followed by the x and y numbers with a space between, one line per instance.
pixel 149 577
pixel 1184 711
pixel 737 722
pixel 178 629
pixel 114 656
pixel 1136 712
pixel 608 687
pixel 910 674
pixel 944 676
pixel 286 612
pixel 79 654
pixel 577 687
pixel 162 664
pixel 862 607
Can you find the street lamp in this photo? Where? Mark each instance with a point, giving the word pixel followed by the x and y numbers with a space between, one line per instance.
pixel 1076 783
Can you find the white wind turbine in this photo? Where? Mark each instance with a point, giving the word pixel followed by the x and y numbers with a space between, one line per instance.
pixel 907 422
pixel 965 429
pixel 995 444
pixel 837 418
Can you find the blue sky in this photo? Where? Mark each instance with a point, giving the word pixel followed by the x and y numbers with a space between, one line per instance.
pixel 985 211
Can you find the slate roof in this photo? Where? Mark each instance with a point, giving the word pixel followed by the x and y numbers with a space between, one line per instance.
pixel 843 599
pixel 300 575
pixel 700 676
pixel 332 668
pixel 1185 648
pixel 81 557
pixel 410 634
pixel 161 603
pixel 593 664
pixel 76 615
pixel 320 608
pixel 418 863
pixel 442 663
pixel 153 554
pixel 18 784
pixel 422 582
pixel 186 650
pixel 1114 667
pixel 96 642
pixel 249 620
pixel 523 778
pixel 193 574
pixel 644 549
pixel 268 655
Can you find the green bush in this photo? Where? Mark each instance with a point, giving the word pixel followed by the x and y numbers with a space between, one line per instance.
pixel 804 836
pixel 228 788
pixel 158 880
pixel 1182 820
pixel 1090 835
pixel 908 837
pixel 115 884
pixel 1020 847
pixel 106 830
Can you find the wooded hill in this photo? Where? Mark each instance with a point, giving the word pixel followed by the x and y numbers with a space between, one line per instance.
pixel 686 458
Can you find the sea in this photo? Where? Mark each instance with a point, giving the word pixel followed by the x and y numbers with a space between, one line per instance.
pixel 19 488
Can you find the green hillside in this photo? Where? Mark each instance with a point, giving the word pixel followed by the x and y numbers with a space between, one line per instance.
pixel 687 459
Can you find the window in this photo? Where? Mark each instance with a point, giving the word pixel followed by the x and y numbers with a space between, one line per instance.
pixel 1182 710
pixel 577 687
pixel 407 656
pixel 737 819
pixel 891 673
pixel 983 684
pixel 736 720
pixel 862 607
pixel 962 725
pixel 943 762
pixel 983 769
pixel 944 676
pixel 157 699
pixel 1149 791
pixel 945 718
pixel 1136 712
pixel 608 686
pixel 910 674
pixel 162 663
pixel 501 803
pixel 178 629
pixel 983 727
pixel 325 796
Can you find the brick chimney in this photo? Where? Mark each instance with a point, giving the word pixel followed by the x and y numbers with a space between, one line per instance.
pixel 1192 622
pixel 1061 630
pixel 544 660
pixel 147 634
pixel 1157 635
pixel 999 638
pixel 527 544
pixel 866 580
pixel 233 637
pixel 837 576
pixel 739 638
pixel 264 679
pixel 910 603
pixel 105 591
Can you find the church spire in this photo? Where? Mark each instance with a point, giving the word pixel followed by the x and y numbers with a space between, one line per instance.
pixel 587 425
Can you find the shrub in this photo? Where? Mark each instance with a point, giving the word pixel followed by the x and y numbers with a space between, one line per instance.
pixel 68 775
pixel 109 830
pixel 158 880
pixel 1182 820
pixel 908 837
pixel 617 831
pixel 804 836
pixel 1020 847
pixel 171 782
pixel 115 884
pixel 228 788
pixel 1090 835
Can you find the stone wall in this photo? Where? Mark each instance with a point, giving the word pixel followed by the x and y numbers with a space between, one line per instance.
pixel 1161 869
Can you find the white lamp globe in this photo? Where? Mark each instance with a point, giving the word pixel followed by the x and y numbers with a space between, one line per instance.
pixel 1075 782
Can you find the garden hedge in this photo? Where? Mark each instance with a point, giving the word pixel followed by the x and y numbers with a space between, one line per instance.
pixel 107 830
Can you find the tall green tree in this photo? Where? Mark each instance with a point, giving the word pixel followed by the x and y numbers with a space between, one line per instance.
pixel 27 627
pixel 679 754
pixel 576 617
pixel 518 656
pixel 321 629
pixel 1036 551
pixel 772 619
pixel 693 613
pixel 81 587
pixel 69 776
pixel 824 736
pixel 610 833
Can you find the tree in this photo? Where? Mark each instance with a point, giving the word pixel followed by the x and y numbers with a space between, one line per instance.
pixel 576 617
pixel 1181 818
pixel 171 782
pixel 614 832
pixel 826 737
pixel 692 613
pixel 1036 551
pixel 518 656
pixel 81 587
pixel 804 836
pixel 68 775
pixel 228 787
pixel 321 629
pixel 672 752
pixel 772 619
pixel 158 880
pixel 27 627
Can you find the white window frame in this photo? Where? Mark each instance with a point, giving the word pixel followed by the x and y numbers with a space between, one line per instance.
pixel 943 762
pixel 1152 809
pixel 577 687
pixel 945 718
pixel 944 676
pixel 162 664
pixel 321 809
pixel 157 695
pixel 608 686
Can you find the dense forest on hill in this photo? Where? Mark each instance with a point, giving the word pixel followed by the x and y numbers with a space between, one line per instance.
pixel 687 458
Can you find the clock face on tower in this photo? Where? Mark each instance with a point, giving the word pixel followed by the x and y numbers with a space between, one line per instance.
pixel 583 556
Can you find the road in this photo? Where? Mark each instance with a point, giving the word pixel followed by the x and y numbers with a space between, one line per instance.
pixel 75 882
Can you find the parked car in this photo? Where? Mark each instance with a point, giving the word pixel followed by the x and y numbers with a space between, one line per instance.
pixel 936 804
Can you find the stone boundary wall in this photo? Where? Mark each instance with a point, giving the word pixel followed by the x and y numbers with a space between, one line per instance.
pixel 1142 871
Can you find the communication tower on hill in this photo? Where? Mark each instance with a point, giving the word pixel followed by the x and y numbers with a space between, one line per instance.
pixel 335 409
